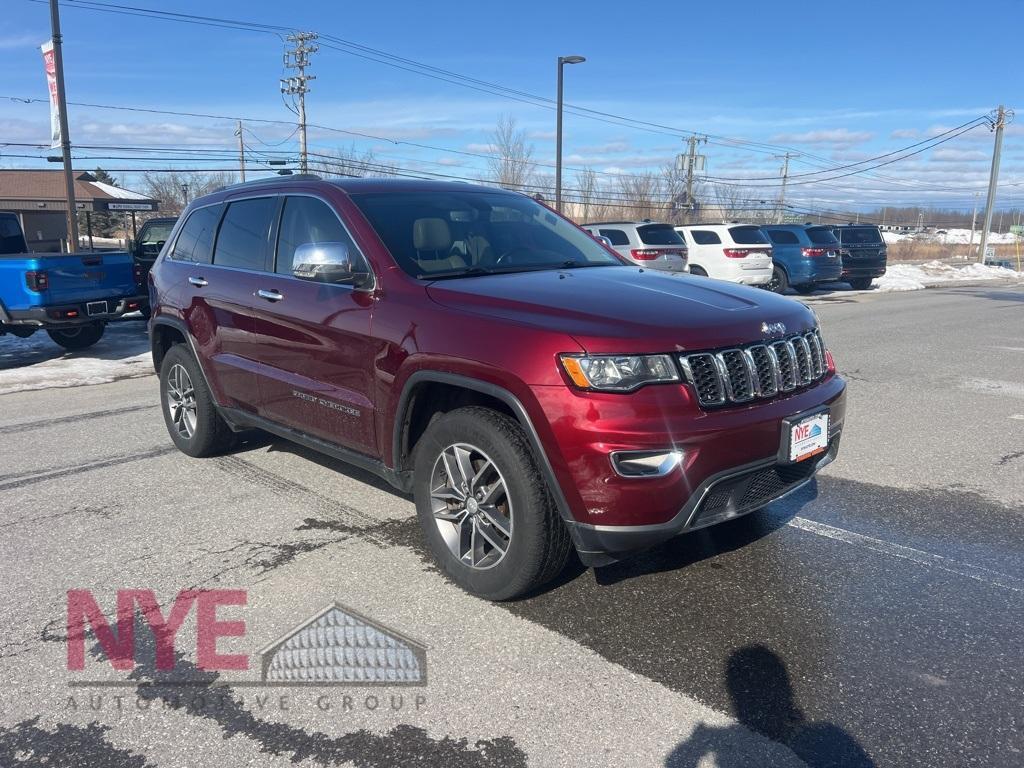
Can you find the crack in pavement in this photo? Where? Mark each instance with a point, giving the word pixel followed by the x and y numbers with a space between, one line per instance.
pixel 10 429
pixel 19 480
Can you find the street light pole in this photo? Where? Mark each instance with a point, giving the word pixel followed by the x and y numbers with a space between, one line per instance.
pixel 562 61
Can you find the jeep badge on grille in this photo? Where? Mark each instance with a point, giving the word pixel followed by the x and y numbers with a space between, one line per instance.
pixel 773 329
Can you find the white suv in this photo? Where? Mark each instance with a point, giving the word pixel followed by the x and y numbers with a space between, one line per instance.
pixel 647 243
pixel 739 253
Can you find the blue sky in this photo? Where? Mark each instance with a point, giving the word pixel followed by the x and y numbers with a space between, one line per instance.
pixel 834 82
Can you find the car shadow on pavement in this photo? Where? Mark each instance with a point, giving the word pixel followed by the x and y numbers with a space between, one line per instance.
pixel 707 543
pixel 763 701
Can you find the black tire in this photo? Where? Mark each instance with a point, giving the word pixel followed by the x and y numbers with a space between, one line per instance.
pixel 146 312
pixel 538 545
pixel 779 282
pixel 210 434
pixel 860 283
pixel 694 270
pixel 805 288
pixel 79 336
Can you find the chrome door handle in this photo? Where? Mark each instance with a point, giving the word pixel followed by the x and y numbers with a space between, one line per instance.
pixel 270 295
pixel 198 282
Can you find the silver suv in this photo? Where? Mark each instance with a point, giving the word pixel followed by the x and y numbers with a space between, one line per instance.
pixel 646 243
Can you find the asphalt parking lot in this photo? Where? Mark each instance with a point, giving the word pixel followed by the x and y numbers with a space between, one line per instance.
pixel 872 619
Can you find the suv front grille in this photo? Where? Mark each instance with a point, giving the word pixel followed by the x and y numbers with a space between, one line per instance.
pixel 756 371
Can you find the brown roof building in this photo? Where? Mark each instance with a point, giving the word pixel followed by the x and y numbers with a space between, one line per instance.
pixel 39 200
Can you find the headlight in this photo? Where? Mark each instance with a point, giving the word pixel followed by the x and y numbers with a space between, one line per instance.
pixel 618 373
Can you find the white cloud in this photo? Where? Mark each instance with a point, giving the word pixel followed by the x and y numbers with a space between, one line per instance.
pixel 837 136
pixel 9 42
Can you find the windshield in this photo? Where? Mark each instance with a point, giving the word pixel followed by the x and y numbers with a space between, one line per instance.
pixel 860 236
pixel 450 234
pixel 659 234
pixel 821 236
pixel 748 236
pixel 157 233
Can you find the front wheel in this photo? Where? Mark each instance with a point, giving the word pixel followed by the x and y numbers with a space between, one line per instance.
pixel 485 510
pixel 78 337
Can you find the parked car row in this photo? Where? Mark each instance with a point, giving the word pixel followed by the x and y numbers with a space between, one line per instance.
pixel 773 256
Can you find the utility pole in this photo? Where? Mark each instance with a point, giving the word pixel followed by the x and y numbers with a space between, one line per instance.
pixel 782 193
pixel 241 151
pixel 65 138
pixel 974 223
pixel 298 59
pixel 1001 119
pixel 691 166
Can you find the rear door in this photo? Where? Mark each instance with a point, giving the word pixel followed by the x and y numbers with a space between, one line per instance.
pixel 314 337
pixel 220 313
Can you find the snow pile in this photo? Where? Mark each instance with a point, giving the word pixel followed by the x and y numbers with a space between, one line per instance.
pixel 39 363
pixel 916 277
pixel 950 237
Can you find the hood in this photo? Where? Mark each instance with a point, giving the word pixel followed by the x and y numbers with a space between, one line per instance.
pixel 626 309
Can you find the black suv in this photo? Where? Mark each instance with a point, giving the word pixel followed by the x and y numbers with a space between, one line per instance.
pixel 864 253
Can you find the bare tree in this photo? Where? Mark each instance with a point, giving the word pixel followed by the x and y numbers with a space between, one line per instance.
pixel 174 188
pixel 586 194
pixel 641 196
pixel 733 202
pixel 350 162
pixel 512 167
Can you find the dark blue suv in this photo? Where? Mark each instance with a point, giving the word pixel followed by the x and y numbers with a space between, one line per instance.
pixel 803 255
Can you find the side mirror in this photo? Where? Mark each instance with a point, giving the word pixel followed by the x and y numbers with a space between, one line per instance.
pixel 326 263
pixel 602 239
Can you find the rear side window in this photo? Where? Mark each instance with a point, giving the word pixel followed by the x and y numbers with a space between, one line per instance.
pixel 860 235
pixel 308 220
pixel 782 237
pixel 242 239
pixel 11 239
pixel 748 236
pixel 659 234
pixel 705 237
pixel 821 236
pixel 195 241
pixel 617 236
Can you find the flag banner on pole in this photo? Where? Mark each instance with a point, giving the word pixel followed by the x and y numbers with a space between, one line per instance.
pixel 51 82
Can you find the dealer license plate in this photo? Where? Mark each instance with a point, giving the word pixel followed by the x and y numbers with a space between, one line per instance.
pixel 808 437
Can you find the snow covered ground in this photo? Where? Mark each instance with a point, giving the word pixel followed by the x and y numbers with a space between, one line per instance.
pixel 38 363
pixel 917 277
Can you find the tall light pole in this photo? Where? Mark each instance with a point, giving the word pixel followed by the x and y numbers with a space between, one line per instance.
pixel 562 61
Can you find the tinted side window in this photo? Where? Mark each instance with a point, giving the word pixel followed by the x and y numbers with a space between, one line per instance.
pixel 308 220
pixel 747 236
pixel 617 236
pixel 705 237
pixel 822 236
pixel 659 234
pixel 783 237
pixel 242 239
pixel 195 241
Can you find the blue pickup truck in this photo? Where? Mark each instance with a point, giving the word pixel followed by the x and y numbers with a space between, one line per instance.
pixel 71 296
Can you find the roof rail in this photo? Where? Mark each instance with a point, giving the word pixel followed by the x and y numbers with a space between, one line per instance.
pixel 270 180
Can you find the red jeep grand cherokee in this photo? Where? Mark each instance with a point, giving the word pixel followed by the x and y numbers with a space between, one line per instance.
pixel 471 346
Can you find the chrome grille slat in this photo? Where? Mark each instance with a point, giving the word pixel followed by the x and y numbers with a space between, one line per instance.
pixel 755 371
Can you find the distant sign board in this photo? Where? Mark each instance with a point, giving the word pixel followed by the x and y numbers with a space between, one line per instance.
pixel 1017 229
pixel 128 206
pixel 990 252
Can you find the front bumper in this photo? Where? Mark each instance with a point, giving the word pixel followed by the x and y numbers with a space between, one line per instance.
pixel 721 497
pixel 611 513
pixel 75 313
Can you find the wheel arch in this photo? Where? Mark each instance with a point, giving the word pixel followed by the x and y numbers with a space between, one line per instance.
pixel 408 420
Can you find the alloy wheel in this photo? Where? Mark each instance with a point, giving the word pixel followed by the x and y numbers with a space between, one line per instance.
pixel 471 506
pixel 181 401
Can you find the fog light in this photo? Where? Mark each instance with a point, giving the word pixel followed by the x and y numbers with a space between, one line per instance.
pixel 646 463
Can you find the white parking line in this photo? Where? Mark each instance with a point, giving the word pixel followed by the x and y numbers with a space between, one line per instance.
pixel 929 559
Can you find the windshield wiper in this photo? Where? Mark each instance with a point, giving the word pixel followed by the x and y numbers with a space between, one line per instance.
pixel 468 272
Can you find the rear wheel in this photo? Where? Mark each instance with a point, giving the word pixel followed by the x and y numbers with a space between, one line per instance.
pixel 694 270
pixel 779 282
pixel 860 283
pixel 189 413
pixel 486 513
pixel 78 337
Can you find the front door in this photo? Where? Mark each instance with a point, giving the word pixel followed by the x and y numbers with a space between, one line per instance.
pixel 315 347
